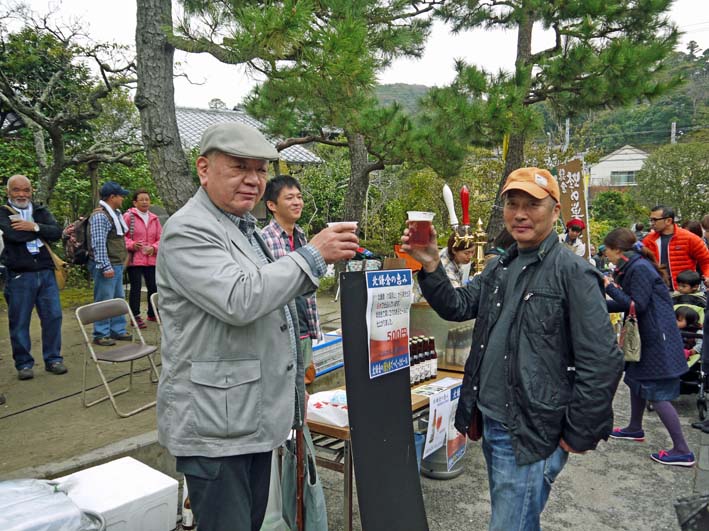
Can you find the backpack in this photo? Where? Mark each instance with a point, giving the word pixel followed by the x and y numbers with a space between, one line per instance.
pixel 76 241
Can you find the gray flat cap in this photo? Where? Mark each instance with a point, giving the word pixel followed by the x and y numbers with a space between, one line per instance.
pixel 237 139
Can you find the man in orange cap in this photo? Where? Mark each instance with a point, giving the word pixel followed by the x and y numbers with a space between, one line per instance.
pixel 572 238
pixel 544 364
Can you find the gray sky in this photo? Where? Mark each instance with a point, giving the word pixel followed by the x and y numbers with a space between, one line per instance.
pixel 112 20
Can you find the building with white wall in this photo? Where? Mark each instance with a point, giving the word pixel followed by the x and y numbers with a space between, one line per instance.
pixel 618 169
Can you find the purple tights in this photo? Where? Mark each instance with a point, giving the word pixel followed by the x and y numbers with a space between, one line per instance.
pixel 668 415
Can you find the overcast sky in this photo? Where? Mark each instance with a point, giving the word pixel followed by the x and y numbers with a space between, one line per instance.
pixel 114 20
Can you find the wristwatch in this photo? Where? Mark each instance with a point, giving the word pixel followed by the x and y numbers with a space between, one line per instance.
pixel 36 227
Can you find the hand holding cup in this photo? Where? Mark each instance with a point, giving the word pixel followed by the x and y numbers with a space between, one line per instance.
pixel 337 242
pixel 419 239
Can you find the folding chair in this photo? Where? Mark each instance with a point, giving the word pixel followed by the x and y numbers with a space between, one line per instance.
pixel 135 350
pixel 154 304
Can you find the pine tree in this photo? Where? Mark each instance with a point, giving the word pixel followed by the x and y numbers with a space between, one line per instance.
pixel 606 53
pixel 320 61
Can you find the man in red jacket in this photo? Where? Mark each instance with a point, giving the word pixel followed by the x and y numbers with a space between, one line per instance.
pixel 678 249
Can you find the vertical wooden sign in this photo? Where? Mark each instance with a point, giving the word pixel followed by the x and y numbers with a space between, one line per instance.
pixel 573 197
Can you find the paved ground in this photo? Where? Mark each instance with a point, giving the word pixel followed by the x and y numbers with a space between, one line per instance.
pixel 615 487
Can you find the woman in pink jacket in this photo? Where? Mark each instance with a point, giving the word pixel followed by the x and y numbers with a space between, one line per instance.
pixel 142 241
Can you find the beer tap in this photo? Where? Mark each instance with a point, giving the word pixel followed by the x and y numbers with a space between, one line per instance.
pixel 448 200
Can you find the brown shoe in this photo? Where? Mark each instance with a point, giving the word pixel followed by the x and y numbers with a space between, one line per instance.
pixel 123 337
pixel 56 368
pixel 25 374
pixel 104 341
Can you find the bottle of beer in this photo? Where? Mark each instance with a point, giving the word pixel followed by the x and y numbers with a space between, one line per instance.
pixel 417 362
pixel 187 516
pixel 424 361
pixel 427 358
pixel 434 357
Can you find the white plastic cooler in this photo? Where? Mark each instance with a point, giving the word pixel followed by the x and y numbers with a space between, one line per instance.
pixel 130 495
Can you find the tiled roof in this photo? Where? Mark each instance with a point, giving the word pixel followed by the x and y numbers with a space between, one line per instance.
pixel 626 150
pixel 192 123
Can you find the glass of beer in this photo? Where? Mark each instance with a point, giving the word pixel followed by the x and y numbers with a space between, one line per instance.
pixel 420 224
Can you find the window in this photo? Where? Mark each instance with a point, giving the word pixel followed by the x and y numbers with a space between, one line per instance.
pixel 623 178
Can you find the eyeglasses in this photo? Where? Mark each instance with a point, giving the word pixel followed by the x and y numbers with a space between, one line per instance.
pixel 653 220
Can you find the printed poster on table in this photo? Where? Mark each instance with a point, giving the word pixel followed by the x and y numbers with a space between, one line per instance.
pixel 455 442
pixel 438 412
pixel 389 296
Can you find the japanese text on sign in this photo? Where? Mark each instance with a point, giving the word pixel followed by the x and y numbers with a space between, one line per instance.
pixel 389 295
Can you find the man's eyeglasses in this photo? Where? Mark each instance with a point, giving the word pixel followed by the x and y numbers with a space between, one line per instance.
pixel 653 220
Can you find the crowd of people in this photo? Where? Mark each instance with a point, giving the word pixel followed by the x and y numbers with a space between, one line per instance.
pixel 115 241
pixel 239 320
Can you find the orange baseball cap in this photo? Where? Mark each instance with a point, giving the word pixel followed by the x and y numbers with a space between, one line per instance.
pixel 536 182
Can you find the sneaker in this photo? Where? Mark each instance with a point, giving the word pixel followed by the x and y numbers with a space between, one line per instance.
pixel 2 399
pixel 665 458
pixel 620 433
pixel 122 337
pixel 104 341
pixel 25 374
pixel 56 368
pixel 141 324
pixel 152 319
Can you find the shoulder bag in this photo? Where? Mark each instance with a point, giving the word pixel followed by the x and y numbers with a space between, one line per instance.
pixel 129 254
pixel 314 511
pixel 629 340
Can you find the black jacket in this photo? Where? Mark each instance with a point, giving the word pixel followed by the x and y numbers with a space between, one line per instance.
pixel 15 256
pixel 563 363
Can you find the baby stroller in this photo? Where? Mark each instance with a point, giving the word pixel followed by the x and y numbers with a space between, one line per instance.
pixel 696 379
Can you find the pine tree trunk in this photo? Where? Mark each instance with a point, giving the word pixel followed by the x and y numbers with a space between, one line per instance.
pixel 360 168
pixel 92 171
pixel 515 149
pixel 156 103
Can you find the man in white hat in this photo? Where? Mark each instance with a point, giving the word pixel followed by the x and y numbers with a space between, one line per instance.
pixel 231 386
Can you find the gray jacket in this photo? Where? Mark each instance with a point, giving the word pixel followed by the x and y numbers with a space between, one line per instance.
pixel 228 381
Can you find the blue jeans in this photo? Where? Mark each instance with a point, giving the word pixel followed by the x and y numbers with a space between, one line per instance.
pixel 518 493
pixel 23 292
pixel 105 289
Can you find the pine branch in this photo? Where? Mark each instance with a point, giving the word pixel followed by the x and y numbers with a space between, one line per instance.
pixel 297 141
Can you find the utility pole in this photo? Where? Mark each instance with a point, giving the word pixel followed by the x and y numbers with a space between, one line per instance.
pixel 567 134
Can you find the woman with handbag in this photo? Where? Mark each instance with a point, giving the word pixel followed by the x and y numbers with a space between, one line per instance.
pixel 638 279
pixel 142 242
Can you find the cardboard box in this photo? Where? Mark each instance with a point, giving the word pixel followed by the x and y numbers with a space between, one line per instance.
pixel 327 355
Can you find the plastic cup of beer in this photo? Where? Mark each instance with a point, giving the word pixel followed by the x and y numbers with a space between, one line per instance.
pixel 420 224
pixel 337 223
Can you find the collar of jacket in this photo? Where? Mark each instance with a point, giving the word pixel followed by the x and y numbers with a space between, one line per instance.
pixel 547 245
pixel 626 259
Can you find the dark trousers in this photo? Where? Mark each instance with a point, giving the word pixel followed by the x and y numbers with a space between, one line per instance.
pixel 25 291
pixel 228 493
pixel 134 277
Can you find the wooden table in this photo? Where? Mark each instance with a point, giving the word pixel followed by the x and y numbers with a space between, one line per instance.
pixel 335 440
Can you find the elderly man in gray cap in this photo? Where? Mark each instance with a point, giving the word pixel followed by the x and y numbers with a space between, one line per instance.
pixel 231 387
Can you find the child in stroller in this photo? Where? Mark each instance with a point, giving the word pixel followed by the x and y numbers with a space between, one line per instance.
pixel 689 304
pixel 690 326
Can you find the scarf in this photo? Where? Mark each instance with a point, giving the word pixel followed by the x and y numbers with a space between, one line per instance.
pixel 118 222
pixel 26 213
